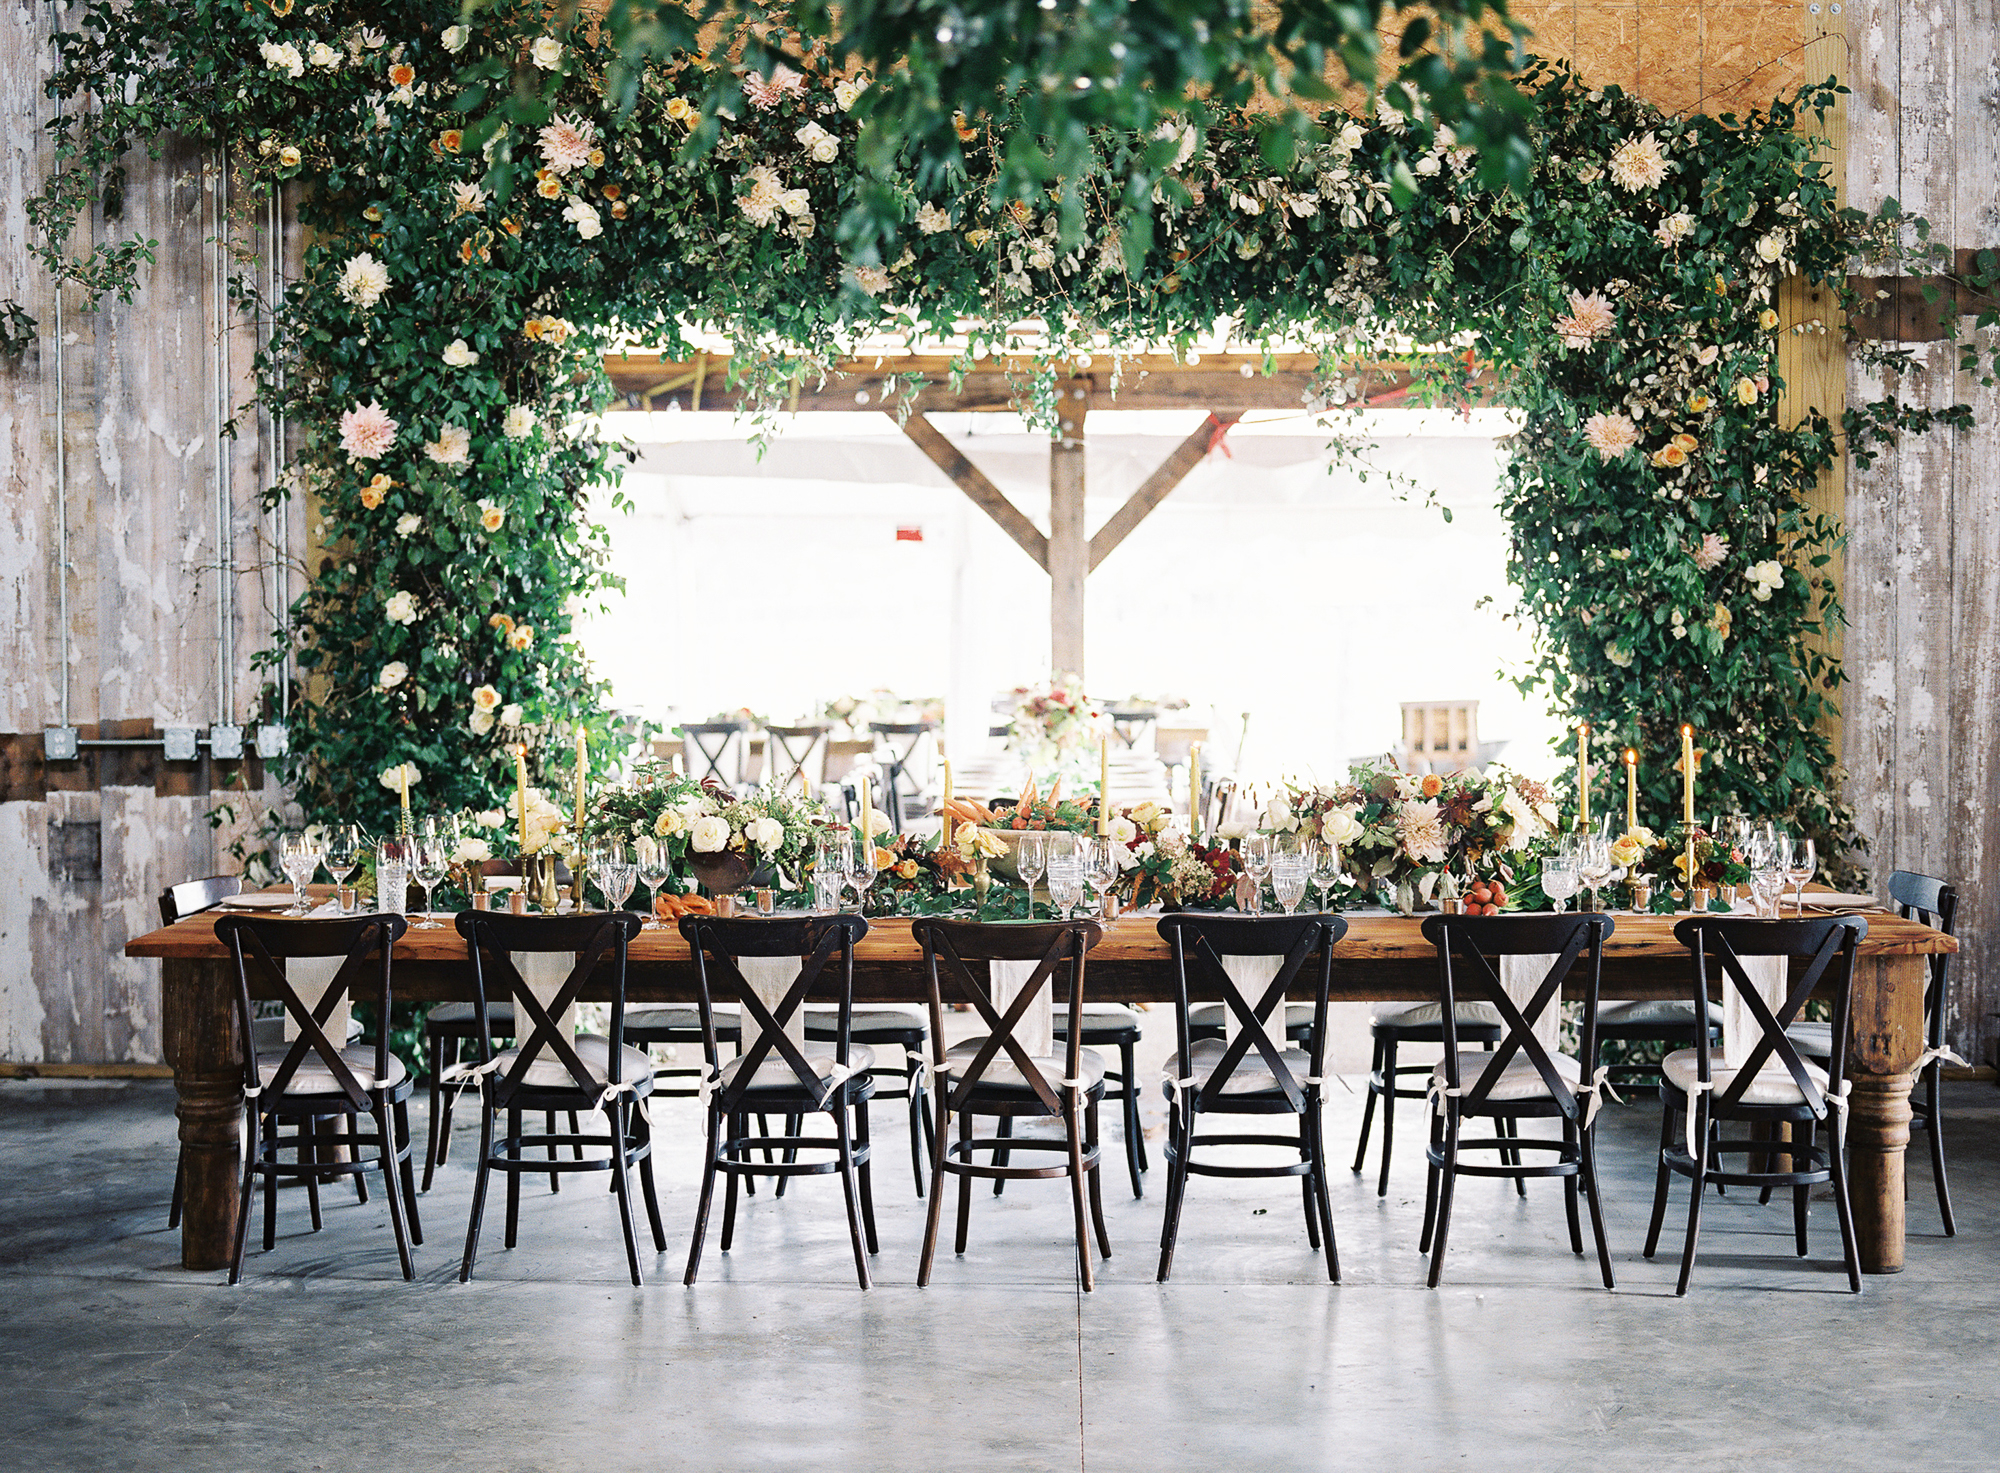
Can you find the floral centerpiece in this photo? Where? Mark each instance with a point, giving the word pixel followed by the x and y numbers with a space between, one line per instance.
pixel 712 836
pixel 1406 830
pixel 1170 869
pixel 1718 865
pixel 1053 725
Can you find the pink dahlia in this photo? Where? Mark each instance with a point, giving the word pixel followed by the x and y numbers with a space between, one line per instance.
pixel 1588 319
pixel 1714 548
pixel 366 431
pixel 567 144
pixel 765 95
pixel 1610 435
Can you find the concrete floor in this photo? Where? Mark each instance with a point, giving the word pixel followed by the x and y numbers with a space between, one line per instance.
pixel 324 1358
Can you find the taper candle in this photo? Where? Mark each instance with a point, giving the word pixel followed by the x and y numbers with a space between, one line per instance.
pixel 1104 785
pixel 1631 790
pixel 1194 791
pixel 403 776
pixel 867 821
pixel 581 763
pixel 1687 773
pixel 1583 775
pixel 521 793
pixel 947 786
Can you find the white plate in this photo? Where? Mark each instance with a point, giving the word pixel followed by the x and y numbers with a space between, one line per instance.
pixel 256 902
pixel 1831 898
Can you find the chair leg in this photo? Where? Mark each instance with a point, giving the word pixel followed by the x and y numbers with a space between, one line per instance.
pixel 1320 1192
pixel 513 1177
pixel 271 1189
pixel 1368 1107
pixel 309 1155
pixel 246 1197
pixel 1596 1200
pixel 478 1190
pixel 1072 1130
pixel 847 1190
pixel 549 1125
pixel 938 1137
pixel 1570 1186
pixel 434 1052
pixel 1513 1133
pixel 1934 1128
pixel 1434 1174
pixel 392 1189
pixel 1388 1112
pixel 708 1170
pixel 1004 1128
pixel 1092 1144
pixel 407 1173
pixel 1177 1174
pixel 1836 1157
pixel 919 1119
pixel 359 1178
pixel 864 1173
pixel 180 1186
pixel 729 1191
pixel 643 1128
pixel 576 1147
pixel 1694 1205
pixel 622 1184
pixel 1447 1182
pixel 1663 1176
pixel 964 1184
pixel 1306 1181
pixel 1128 1101
pixel 1799 1194
pixel 794 1125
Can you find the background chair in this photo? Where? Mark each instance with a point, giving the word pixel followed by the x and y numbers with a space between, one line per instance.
pixel 973 1078
pixel 718 751
pixel 1116 1025
pixel 548 1072
pixel 796 753
pixel 1930 902
pixel 313 1078
pixel 1696 1092
pixel 774 1076
pixel 906 751
pixel 1521 1079
pixel 1252 1074
pixel 1391 1025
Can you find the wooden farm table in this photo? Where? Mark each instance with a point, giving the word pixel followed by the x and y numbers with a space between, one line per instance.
pixel 1382 958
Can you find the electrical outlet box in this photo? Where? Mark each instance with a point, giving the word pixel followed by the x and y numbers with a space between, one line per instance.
pixel 225 743
pixel 179 742
pixel 59 743
pixel 273 740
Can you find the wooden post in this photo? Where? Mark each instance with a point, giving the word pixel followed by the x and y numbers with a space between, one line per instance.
pixel 1069 548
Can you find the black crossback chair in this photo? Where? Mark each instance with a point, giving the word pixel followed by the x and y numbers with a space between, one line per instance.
pixel 314 1078
pixel 773 1076
pixel 795 755
pixel 1521 1079
pixel 1695 1093
pixel 903 750
pixel 549 1072
pixel 1114 1025
pixel 972 1078
pixel 718 751
pixel 1252 1073
pixel 1929 902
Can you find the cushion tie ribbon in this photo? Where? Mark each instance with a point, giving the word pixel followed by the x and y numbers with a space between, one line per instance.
pixel 1592 1093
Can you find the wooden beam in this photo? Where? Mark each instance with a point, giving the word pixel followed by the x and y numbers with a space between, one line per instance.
pixel 1173 470
pixel 983 494
pixel 1069 548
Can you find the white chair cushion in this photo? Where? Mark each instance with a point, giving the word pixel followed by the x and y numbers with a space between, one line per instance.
pixel 1660 1010
pixel 1814 1040
pixel 683 1017
pixel 269 1033
pixel 1521 1081
pixel 775 1073
pixel 1772 1086
pixel 827 1015
pixel 314 1078
pixel 1101 1015
pixel 465 1012
pixel 549 1072
pixel 1212 1014
pixel 1001 1072
pixel 1251 1076
pixel 1431 1014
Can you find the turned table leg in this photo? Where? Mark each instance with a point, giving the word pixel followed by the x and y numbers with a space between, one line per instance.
pixel 199 1018
pixel 1886 1035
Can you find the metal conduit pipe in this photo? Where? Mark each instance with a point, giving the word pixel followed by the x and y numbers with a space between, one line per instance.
pixel 62 518
pixel 281 512
pixel 225 655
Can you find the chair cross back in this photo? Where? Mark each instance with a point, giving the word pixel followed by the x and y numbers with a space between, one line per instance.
pixel 535 1026
pixel 1456 939
pixel 714 742
pixel 824 937
pixel 1829 940
pixel 1250 1030
pixel 1928 902
pixel 1068 944
pixel 249 940
pixel 791 750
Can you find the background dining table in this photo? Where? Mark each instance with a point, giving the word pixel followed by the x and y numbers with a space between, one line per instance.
pixel 1382 958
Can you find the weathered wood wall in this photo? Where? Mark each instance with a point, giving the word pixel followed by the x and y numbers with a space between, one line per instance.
pixel 85 848
pixel 138 409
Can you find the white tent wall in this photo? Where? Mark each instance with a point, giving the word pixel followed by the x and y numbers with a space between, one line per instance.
pixel 1316 601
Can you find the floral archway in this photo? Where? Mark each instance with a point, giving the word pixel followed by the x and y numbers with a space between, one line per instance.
pixel 440 354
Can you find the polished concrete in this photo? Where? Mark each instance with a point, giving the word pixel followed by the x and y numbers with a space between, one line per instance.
pixel 113 1357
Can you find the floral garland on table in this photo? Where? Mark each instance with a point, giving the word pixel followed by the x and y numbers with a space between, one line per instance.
pixel 775 833
pixel 439 353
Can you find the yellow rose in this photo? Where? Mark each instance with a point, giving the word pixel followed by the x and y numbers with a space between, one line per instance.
pixel 883 859
pixel 549 188
pixel 373 214
pixel 1721 622
pixel 597 158
pixel 1746 391
pixel 289 157
pixel 678 109
pixel 522 637
pixel 1669 456
pixel 452 139
pixel 1698 403
pixel 1686 443
pixel 907 870
pixel 1767 319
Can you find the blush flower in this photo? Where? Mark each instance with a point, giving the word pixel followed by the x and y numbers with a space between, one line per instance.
pixel 366 431
pixel 766 196
pixel 1588 319
pixel 363 280
pixel 1610 435
pixel 467 199
pixel 567 143
pixel 764 95
pixel 1713 550
pixel 1638 163
pixel 1420 832
pixel 453 446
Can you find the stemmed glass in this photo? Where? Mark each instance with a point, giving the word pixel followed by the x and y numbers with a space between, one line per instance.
pixel 1326 871
pixel 1031 857
pixel 604 857
pixel 1257 865
pixel 1559 879
pixel 1065 881
pixel 430 861
pixel 619 873
pixel 1801 864
pixel 830 872
pixel 861 867
pixel 1593 864
pixel 653 869
pixel 1767 873
pixel 1288 879
pixel 299 854
pixel 343 853
pixel 1100 865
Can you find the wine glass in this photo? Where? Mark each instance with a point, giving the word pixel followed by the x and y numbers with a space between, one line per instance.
pixel 620 873
pixel 861 867
pixel 1326 871
pixel 430 861
pixel 1801 864
pixel 343 852
pixel 1288 880
pixel 299 855
pixel 653 868
pixel 1559 880
pixel 1031 857
pixel 606 857
pixel 1065 875
pixel 1593 864
pixel 1257 865
pixel 1100 864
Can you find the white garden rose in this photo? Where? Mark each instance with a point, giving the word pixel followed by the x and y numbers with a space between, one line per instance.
pixel 363 280
pixel 393 674
pixel 546 53
pixel 846 92
pixel 489 818
pixel 820 146
pixel 408 523
pixel 400 609
pixel 479 722
pixel 1340 826
pixel 486 698
pixel 669 823
pixel 322 55
pixel 393 778
pixel 519 423
pixel 472 851
pixel 1124 830
pixel 282 57
pixel 583 215
pixel 510 714
pixel 453 446
pixel 458 355
pixel 766 833
pixel 710 834
pixel 454 38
